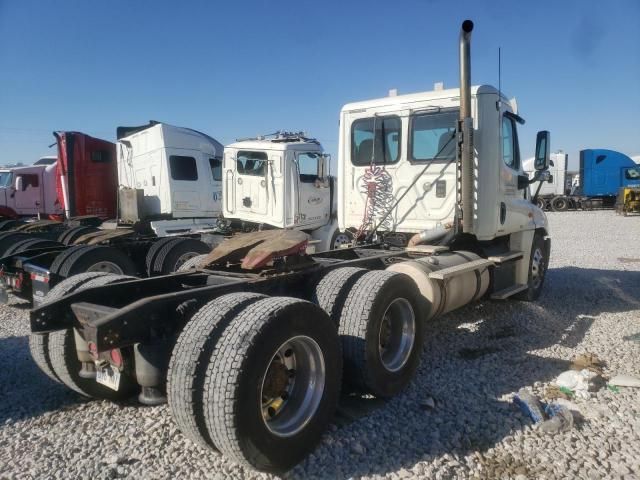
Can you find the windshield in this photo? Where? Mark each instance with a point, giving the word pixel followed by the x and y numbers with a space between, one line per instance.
pixel 5 179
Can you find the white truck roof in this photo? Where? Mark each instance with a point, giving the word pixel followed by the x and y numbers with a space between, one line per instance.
pixel 163 135
pixel 451 94
pixel 279 144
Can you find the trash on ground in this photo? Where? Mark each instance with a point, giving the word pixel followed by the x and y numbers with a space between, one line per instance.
pixel 579 382
pixel 553 391
pixel 613 388
pixel 589 361
pixel 624 380
pixel 529 404
pixel 560 418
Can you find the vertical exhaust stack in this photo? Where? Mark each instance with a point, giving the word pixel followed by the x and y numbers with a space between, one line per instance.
pixel 466 128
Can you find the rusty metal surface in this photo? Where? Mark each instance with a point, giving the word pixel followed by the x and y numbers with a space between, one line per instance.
pixel 257 249
pixel 94 238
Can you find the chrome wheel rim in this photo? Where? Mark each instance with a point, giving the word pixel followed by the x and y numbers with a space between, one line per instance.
pixel 292 386
pixel 107 267
pixel 183 258
pixel 537 267
pixel 397 334
pixel 341 239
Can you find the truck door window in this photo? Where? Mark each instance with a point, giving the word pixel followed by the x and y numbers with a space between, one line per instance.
pixel 216 168
pixel 6 179
pixel 183 168
pixel 252 163
pixel 510 149
pixel 387 140
pixel 308 167
pixel 432 136
pixel 29 180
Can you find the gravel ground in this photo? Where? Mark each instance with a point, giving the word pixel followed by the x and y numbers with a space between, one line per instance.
pixel 473 361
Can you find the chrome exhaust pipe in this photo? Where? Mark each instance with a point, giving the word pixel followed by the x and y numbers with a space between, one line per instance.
pixel 465 69
pixel 466 153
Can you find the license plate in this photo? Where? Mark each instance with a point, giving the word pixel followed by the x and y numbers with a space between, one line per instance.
pixel 109 377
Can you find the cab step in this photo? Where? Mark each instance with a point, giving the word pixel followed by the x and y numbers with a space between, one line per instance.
pixel 427 249
pixel 446 273
pixel 506 257
pixel 508 292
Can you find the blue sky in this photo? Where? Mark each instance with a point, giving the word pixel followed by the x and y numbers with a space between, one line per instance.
pixel 236 69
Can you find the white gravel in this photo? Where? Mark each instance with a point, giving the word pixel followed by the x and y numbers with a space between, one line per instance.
pixel 591 303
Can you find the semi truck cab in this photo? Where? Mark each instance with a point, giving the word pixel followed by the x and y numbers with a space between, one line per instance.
pixel 408 142
pixel 178 171
pixel 281 181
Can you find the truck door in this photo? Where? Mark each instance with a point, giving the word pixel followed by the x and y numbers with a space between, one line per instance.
pixel 212 185
pixel 251 188
pixel 514 207
pixel 313 198
pixel 185 188
pixel 28 197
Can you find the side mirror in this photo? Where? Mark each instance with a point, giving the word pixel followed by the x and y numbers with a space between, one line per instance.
pixel 19 183
pixel 542 151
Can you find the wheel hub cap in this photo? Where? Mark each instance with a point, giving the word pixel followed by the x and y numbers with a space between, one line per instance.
pixel 292 386
pixel 397 334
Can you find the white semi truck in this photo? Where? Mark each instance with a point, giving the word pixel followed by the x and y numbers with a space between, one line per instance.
pixel 253 347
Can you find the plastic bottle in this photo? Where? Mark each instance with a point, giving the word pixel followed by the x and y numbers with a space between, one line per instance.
pixel 529 404
pixel 560 419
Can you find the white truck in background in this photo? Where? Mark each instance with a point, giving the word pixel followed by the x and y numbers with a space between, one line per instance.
pixel 30 191
pixel 561 180
pixel 169 176
pixel 175 178
pixel 281 181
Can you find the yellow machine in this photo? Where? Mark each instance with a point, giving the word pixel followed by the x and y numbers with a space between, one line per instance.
pixel 628 200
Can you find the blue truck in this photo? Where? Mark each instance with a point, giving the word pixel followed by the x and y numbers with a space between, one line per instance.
pixel 596 185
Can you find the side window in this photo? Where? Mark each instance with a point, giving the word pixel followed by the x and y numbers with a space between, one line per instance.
pixel 183 168
pixel 632 173
pixel 510 149
pixel 216 168
pixel 101 156
pixel 433 136
pixel 308 167
pixel 387 140
pixel 252 163
pixel 29 180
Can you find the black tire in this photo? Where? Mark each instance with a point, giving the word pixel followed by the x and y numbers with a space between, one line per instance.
pixel 71 235
pixel 192 263
pixel 39 343
pixel 154 249
pixel 9 239
pixel 175 253
pixel 29 244
pixel 560 204
pixel 9 224
pixel 64 359
pixel 538 266
pixel 97 258
pixel 340 238
pixel 235 382
pixel 62 257
pixel 333 288
pixel 188 364
pixel 361 323
pixel 541 203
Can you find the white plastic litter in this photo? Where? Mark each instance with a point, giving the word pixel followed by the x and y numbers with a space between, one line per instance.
pixel 577 381
pixel 624 380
